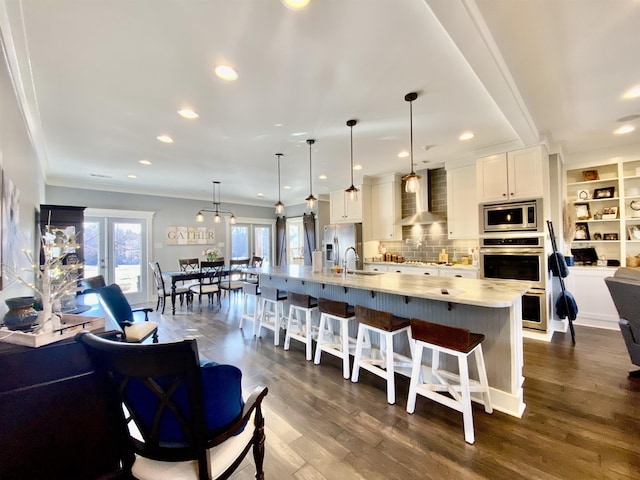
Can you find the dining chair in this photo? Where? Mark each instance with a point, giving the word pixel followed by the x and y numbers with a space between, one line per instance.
pixel 256 262
pixel 116 305
pixel 236 275
pixel 189 265
pixel 163 291
pixel 176 417
pixel 209 283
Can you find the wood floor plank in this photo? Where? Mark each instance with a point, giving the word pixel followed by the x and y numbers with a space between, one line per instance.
pixel 582 419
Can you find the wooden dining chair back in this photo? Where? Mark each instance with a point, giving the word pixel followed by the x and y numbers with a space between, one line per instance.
pixel 209 282
pixel 256 262
pixel 162 289
pixel 189 264
pixel 183 419
pixel 236 275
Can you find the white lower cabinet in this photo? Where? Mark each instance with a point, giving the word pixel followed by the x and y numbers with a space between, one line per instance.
pixel 458 272
pixel 595 306
pixel 422 270
pixel 374 267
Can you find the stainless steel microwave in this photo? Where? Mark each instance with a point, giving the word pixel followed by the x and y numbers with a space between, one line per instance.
pixel 524 216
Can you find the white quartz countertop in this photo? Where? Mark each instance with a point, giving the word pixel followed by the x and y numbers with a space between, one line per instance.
pixel 469 291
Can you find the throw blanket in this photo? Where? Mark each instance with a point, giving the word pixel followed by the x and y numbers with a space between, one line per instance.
pixel 561 306
pixel 558 265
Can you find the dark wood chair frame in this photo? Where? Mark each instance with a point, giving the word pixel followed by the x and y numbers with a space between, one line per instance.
pixel 160 287
pixel 211 276
pixel 117 363
pixel 235 275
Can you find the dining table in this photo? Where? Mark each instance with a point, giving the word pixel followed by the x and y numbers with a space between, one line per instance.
pixel 197 274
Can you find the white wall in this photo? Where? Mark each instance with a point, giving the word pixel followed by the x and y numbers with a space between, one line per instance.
pixel 21 166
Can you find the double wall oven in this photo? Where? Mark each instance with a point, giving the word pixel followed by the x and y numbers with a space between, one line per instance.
pixel 519 255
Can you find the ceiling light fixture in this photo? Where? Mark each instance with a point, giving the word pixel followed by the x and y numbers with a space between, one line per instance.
pixel 144 162
pixel 188 113
pixel 311 200
pixel 633 92
pixel 279 205
pixel 466 136
pixel 165 138
pixel 352 190
pixel 216 210
pixel 295 4
pixel 411 180
pixel 627 128
pixel 225 72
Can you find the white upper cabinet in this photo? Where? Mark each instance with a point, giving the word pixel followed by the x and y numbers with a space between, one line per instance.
pixel 462 203
pixel 344 210
pixel 517 175
pixel 386 209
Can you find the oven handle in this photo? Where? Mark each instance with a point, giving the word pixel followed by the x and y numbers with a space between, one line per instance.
pixel 513 251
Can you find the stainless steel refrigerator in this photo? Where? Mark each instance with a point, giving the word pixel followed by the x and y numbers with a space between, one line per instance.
pixel 337 238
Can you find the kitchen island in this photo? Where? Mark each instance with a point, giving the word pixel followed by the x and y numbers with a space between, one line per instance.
pixel 490 307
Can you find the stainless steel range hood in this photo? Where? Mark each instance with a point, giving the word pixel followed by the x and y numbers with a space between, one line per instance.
pixel 423 204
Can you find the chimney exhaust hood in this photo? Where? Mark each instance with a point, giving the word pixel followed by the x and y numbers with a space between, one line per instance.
pixel 423 204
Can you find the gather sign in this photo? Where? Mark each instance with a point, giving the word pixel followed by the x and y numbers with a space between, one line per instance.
pixel 190 235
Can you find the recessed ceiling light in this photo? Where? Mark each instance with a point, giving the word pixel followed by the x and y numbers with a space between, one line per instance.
pixel 144 162
pixel 633 92
pixel 357 167
pixel 297 134
pixel 403 154
pixel 260 194
pixel 187 113
pixel 132 176
pixel 287 187
pixel 466 136
pixel 624 129
pixel 322 177
pixel 295 4
pixel 165 138
pixel 277 125
pixel 226 72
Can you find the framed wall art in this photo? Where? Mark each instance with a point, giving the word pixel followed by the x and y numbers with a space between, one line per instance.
pixel 607 192
pixel 582 231
pixel 582 211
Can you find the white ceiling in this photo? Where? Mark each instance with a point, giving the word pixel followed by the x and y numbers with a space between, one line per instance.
pixel 100 80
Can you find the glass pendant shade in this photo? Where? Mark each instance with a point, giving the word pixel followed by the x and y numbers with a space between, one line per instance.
pixel 279 205
pixel 216 218
pixel 311 200
pixel 411 180
pixel 352 190
pixel 199 217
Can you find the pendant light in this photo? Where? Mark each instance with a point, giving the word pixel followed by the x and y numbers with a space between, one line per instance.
pixel 311 200
pixel 352 191
pixel 217 218
pixel 279 205
pixel 411 180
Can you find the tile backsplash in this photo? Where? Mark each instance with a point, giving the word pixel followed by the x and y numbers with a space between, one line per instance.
pixel 425 242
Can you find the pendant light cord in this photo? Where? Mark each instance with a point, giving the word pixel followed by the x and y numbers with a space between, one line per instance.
pixel 411 133
pixel 279 155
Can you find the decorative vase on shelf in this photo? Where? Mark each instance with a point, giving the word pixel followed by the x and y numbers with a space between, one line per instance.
pixel 21 314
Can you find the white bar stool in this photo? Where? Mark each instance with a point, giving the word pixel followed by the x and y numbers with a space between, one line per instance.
pixel 272 311
pixel 337 344
pixel 299 323
pixel 459 343
pixel 250 293
pixel 381 361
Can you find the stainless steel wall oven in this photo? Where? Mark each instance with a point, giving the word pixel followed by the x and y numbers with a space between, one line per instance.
pixel 519 258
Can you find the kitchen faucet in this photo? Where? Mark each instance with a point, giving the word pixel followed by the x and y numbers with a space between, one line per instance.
pixel 344 260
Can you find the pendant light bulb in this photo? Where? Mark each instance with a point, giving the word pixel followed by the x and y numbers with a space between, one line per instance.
pixel 311 200
pixel 232 219
pixel 199 217
pixel 279 205
pixel 216 218
pixel 352 190
pixel 411 180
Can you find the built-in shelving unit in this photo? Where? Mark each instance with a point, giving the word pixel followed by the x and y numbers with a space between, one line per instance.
pixel 607 198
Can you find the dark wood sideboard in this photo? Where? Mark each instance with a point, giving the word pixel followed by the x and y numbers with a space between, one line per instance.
pixel 54 422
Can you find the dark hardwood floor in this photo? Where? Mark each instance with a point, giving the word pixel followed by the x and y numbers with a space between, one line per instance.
pixel 582 419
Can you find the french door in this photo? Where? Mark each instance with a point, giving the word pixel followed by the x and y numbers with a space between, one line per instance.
pixel 251 239
pixel 117 248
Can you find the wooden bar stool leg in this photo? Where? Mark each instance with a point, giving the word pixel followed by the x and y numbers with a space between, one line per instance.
pixel 344 333
pixel 358 354
pixel 308 333
pixel 465 400
pixel 484 382
pixel 321 334
pixel 416 374
pixel 293 316
pixel 391 381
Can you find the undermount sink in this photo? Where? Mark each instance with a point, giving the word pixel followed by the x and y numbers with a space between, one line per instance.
pixel 363 272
